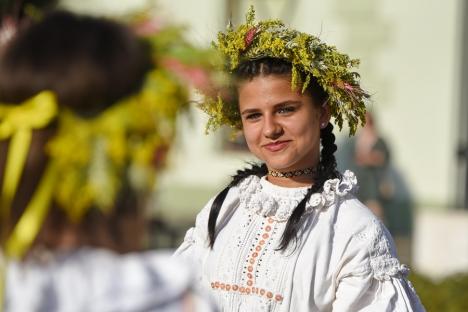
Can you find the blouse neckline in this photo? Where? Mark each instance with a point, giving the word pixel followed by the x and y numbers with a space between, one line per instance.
pixel 264 198
pixel 282 191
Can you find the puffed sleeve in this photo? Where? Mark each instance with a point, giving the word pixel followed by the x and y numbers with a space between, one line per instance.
pixel 371 277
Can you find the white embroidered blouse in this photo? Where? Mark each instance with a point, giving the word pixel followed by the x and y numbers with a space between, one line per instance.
pixel 344 260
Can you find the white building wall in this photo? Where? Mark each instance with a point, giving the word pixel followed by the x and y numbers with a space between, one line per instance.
pixel 420 116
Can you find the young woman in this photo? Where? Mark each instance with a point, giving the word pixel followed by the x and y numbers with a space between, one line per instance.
pixel 288 234
pixel 81 126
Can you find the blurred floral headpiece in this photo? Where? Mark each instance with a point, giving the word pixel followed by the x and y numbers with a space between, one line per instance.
pixel 309 58
pixel 89 158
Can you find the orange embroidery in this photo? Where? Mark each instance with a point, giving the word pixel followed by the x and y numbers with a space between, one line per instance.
pixel 250 288
pixel 247 290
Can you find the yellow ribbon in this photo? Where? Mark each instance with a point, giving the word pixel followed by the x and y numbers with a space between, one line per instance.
pixel 25 231
pixel 17 122
pixel 3 266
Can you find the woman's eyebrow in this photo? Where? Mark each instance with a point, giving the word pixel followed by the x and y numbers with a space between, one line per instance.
pixel 280 104
pixel 289 102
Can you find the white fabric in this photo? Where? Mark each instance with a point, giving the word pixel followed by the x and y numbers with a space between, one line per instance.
pixel 345 259
pixel 98 280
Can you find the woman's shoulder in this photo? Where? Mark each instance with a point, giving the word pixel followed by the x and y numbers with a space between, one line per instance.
pixel 353 221
pixel 350 215
pixel 365 235
pixel 353 216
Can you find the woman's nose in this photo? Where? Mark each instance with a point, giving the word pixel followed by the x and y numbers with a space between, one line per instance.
pixel 271 128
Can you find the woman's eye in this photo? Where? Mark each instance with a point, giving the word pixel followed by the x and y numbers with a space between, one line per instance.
pixel 286 110
pixel 253 116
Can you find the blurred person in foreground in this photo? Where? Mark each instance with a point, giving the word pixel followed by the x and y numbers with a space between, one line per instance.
pixel 85 120
pixel 288 234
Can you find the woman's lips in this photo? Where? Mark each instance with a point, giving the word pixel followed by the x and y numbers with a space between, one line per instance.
pixel 276 146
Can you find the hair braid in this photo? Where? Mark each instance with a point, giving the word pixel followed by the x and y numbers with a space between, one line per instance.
pixel 327 157
pixel 256 169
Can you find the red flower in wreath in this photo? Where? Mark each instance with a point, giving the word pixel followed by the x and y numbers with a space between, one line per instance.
pixel 249 36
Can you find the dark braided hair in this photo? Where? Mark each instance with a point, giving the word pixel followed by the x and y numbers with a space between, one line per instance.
pixel 326 169
pixel 256 169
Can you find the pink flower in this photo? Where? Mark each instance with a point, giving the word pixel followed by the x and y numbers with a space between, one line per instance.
pixel 148 26
pixel 196 76
pixel 347 86
pixel 249 36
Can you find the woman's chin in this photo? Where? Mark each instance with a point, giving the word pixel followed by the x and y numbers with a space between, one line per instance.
pixel 279 166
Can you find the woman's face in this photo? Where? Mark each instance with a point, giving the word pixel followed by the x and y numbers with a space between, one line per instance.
pixel 281 126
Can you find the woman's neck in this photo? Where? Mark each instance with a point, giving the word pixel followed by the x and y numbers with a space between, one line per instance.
pixel 299 181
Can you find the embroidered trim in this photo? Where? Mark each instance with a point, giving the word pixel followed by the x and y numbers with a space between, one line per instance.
pixel 269 200
pixel 246 290
pixel 383 261
pixel 252 264
pixel 253 260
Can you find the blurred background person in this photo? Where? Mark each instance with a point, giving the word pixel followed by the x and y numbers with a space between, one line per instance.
pixel 85 119
pixel 371 158
pixel 382 188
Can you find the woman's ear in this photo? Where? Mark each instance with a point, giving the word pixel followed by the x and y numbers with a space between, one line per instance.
pixel 325 115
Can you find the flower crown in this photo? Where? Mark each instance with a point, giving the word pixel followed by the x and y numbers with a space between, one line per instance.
pixel 309 58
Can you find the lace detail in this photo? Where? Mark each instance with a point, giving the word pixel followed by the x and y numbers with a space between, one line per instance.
pixel 383 261
pixel 340 188
pixel 269 200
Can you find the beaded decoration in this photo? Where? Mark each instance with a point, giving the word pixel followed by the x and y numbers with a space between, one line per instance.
pixel 290 174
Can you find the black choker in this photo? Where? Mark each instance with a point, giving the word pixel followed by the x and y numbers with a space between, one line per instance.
pixel 290 174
